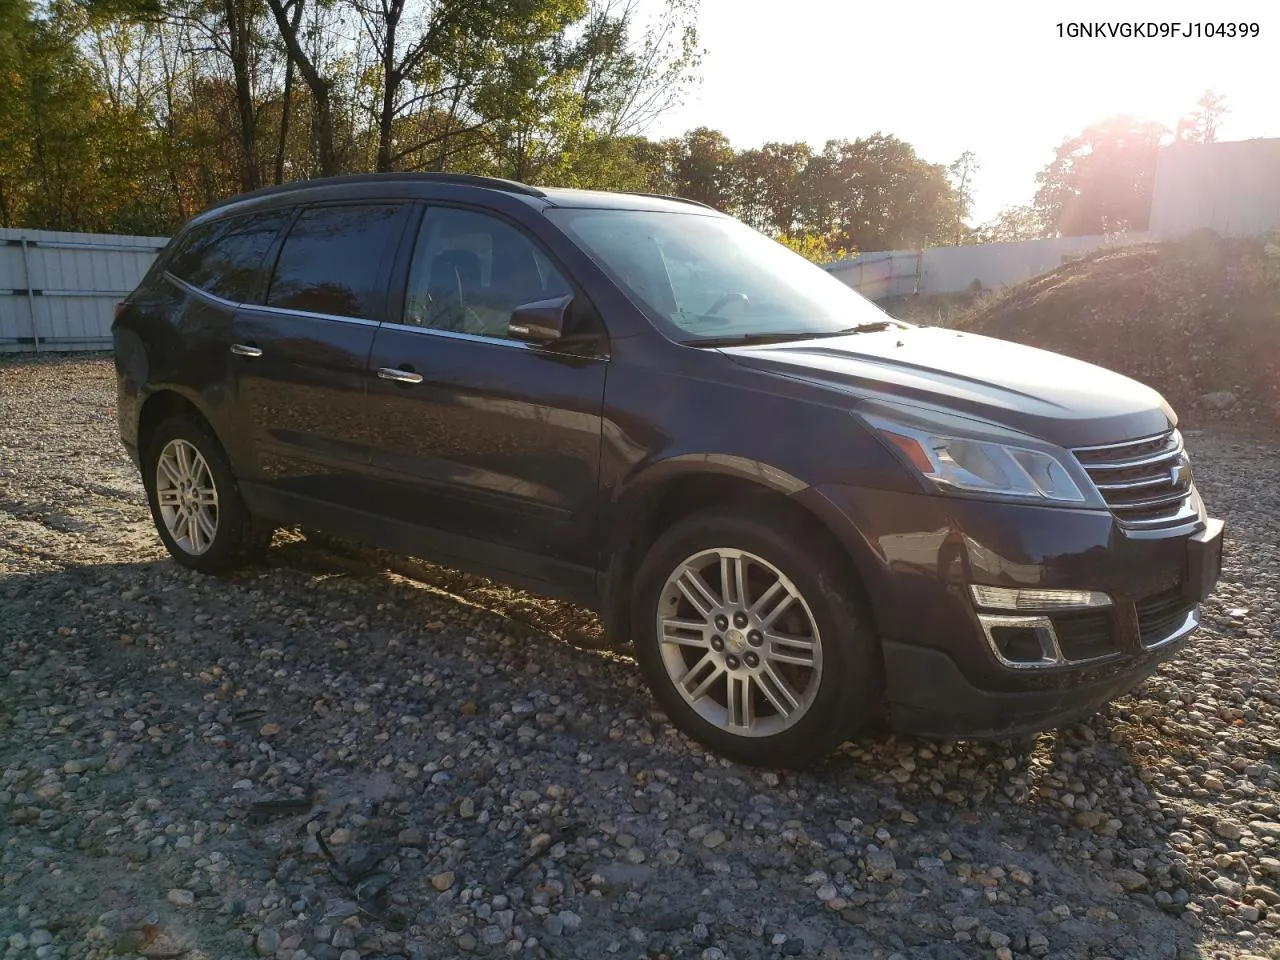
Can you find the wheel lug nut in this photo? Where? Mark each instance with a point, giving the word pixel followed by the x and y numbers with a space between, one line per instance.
pixel 755 638
pixel 722 622
pixel 739 619
pixel 751 660
pixel 731 662
pixel 717 643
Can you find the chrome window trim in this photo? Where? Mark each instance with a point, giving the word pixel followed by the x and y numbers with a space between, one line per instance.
pixel 457 335
pixel 181 284
pixel 291 312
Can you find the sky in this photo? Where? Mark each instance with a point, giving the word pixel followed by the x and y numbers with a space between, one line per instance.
pixel 987 76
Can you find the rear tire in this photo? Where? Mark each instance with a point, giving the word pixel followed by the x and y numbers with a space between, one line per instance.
pixel 195 500
pixel 778 669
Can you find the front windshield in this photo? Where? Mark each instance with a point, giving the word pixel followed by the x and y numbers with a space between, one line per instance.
pixel 712 277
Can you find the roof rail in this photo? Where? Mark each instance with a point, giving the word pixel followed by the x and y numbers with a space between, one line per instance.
pixel 665 196
pixel 461 179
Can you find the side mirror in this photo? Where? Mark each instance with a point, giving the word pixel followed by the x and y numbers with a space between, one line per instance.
pixel 542 321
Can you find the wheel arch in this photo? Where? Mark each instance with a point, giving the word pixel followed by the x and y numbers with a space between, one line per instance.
pixel 677 488
pixel 166 402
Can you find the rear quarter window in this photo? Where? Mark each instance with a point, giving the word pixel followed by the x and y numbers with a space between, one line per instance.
pixel 225 257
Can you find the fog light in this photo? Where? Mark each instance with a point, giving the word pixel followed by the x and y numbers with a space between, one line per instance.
pixel 1011 598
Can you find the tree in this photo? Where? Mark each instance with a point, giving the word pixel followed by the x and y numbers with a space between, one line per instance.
pixel 875 193
pixel 1201 124
pixel 769 188
pixel 288 22
pixel 1011 224
pixel 961 173
pixel 1101 180
pixel 703 168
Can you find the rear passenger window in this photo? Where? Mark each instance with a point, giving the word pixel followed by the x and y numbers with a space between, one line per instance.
pixel 333 260
pixel 225 257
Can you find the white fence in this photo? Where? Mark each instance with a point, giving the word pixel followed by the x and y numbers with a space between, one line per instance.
pixel 58 291
pixel 1231 187
pixel 955 269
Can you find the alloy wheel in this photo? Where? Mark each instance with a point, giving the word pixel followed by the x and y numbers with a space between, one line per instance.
pixel 187 496
pixel 739 642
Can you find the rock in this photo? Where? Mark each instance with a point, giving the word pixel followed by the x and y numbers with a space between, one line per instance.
pixel 1266 894
pixel 1228 887
pixel 881 864
pixel 963 924
pixel 339 837
pixel 1218 400
pixel 269 729
pixel 409 837
pixel 1131 880
pixel 714 839
pixel 492 935
pixel 570 920
pixel 1228 829
pixel 999 940
pixel 1264 829
pixel 553 925
pixel 466 808
pixel 267 942
pixel 181 898
pixel 827 892
pixel 442 881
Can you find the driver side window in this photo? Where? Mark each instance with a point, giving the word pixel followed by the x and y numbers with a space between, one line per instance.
pixel 471 270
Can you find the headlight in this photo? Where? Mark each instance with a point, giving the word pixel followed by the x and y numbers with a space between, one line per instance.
pixel 981 466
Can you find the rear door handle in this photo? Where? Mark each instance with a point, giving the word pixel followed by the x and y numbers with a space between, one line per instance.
pixel 244 350
pixel 399 376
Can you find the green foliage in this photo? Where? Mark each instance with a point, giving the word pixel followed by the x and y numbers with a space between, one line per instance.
pixel 131 115
pixel 1100 181
pixel 1013 223
pixel 1201 124
pixel 815 247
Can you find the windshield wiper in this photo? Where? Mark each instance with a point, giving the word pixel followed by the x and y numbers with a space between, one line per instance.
pixel 748 339
pixel 871 326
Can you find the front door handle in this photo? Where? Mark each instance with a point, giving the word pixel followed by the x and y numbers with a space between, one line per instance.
pixel 245 350
pixel 399 376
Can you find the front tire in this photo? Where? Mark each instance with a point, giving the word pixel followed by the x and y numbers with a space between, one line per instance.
pixel 195 500
pixel 752 640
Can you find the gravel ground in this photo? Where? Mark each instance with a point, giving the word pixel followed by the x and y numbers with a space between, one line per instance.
pixel 341 755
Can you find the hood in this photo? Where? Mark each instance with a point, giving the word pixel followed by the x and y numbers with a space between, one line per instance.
pixel 1046 395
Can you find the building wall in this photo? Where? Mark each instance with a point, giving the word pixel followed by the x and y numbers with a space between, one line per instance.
pixel 58 291
pixel 1232 188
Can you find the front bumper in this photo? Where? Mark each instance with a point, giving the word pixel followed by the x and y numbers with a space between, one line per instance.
pixel 918 554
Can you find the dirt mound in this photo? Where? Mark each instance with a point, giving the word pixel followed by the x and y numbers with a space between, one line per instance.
pixel 1198 320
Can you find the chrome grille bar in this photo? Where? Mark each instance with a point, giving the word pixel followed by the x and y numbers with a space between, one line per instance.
pixel 1146 482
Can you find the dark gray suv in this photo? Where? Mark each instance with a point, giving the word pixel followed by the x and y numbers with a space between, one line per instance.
pixel 798 510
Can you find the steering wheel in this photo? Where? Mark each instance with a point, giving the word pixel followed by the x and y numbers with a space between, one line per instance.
pixel 724 301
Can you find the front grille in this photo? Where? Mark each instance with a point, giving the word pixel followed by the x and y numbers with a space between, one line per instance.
pixel 1161 614
pixel 1083 636
pixel 1145 482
